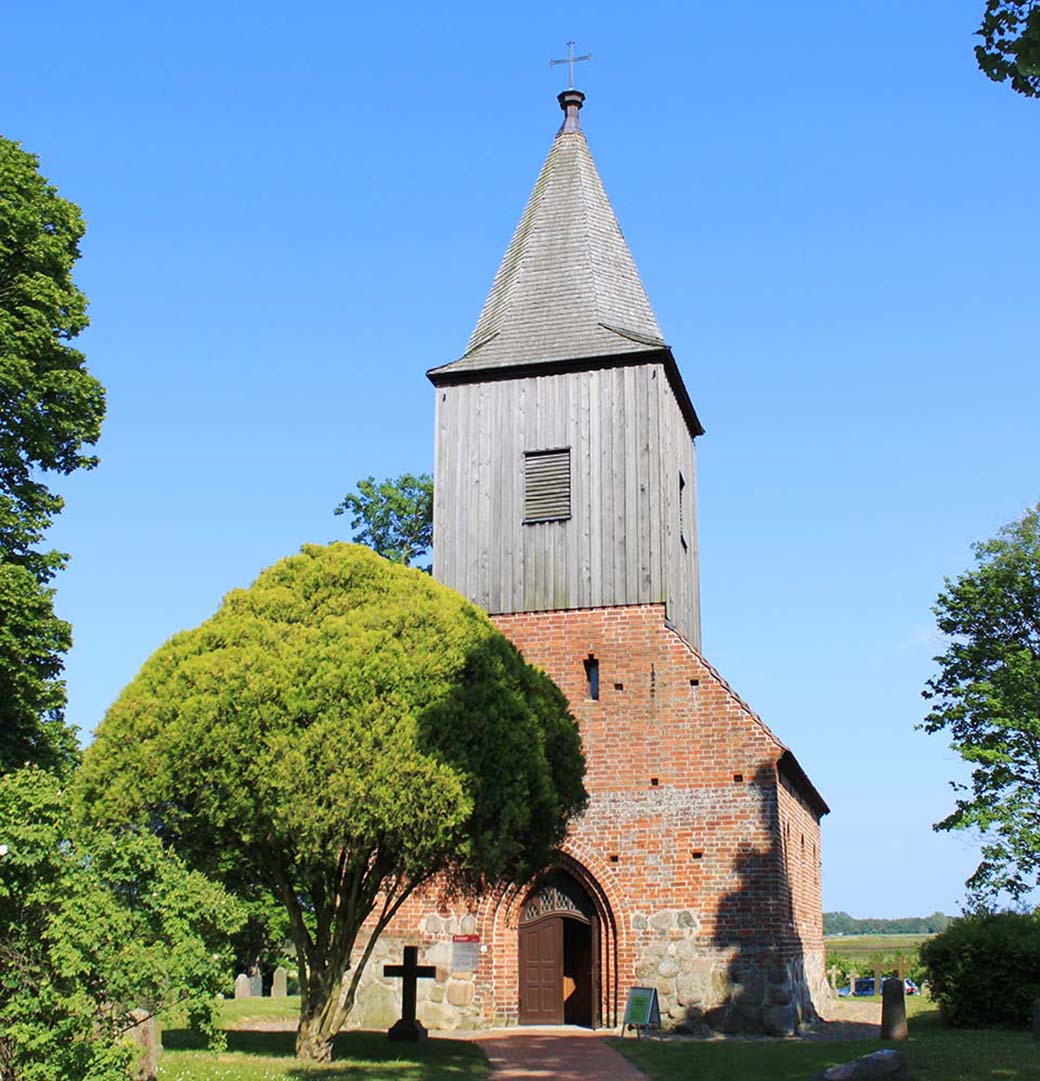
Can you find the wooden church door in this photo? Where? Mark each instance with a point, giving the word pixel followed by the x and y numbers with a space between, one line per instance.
pixel 541 972
pixel 559 954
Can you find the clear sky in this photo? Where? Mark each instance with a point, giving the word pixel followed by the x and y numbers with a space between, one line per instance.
pixel 295 210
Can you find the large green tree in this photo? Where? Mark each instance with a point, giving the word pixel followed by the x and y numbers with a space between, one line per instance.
pixel 95 927
pixel 1010 32
pixel 393 517
pixel 986 699
pixel 50 410
pixel 341 732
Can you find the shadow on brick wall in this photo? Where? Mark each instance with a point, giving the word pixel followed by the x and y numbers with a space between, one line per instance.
pixel 756 926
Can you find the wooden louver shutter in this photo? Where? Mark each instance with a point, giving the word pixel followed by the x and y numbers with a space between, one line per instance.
pixel 547 485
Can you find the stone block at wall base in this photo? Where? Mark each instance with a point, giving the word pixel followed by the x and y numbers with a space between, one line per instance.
pixel 780 1020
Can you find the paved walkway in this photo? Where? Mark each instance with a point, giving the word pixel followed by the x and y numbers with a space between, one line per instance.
pixel 529 1054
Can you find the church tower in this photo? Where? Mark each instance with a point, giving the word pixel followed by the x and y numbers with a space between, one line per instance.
pixel 565 458
pixel 564 506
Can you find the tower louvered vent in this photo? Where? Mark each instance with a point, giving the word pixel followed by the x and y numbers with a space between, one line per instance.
pixel 547 485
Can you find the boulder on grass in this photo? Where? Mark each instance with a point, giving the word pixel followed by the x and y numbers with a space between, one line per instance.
pixel 887 1065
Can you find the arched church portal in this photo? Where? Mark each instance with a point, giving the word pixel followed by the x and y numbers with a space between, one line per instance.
pixel 561 934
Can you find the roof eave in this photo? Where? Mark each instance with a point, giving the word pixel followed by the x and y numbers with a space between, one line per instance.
pixel 788 766
pixel 454 374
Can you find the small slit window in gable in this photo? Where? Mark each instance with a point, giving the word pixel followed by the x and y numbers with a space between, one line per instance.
pixel 682 523
pixel 547 485
pixel 592 678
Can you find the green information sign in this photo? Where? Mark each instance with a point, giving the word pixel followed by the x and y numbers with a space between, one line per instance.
pixel 641 1010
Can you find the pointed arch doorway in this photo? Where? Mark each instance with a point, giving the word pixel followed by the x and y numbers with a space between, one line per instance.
pixel 559 953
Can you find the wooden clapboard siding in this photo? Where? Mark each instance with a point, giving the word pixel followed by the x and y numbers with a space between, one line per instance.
pixel 628 443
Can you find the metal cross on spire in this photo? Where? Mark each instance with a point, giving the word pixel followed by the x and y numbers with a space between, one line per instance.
pixel 570 60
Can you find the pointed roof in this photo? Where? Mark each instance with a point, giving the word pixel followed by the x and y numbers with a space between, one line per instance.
pixel 568 287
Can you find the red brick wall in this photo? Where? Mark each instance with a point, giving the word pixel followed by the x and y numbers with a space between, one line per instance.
pixel 695 847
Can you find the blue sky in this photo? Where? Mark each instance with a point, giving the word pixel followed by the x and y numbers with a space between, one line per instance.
pixel 294 211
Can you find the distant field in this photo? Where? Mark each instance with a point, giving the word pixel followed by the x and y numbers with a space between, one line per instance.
pixel 865 945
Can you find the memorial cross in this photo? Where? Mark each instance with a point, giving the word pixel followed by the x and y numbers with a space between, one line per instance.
pixel 570 60
pixel 408 1028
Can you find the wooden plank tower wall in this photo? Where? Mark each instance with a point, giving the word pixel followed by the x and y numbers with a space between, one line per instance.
pixel 565 506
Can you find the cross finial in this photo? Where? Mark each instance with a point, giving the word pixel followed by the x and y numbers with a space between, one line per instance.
pixel 570 60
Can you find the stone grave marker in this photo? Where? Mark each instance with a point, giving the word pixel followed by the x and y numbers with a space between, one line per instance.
pixel 887 1064
pixel 256 986
pixel 409 1029
pixel 144 1038
pixel 243 988
pixel 279 983
pixel 893 1011
pixel 833 972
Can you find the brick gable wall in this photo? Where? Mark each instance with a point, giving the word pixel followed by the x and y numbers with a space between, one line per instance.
pixel 704 862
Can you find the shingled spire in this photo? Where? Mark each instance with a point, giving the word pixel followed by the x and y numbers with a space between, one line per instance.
pixel 568 288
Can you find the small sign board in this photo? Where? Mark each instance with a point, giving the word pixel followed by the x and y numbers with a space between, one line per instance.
pixel 465 953
pixel 642 1010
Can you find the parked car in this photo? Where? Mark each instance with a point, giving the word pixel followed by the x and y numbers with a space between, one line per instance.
pixel 865 987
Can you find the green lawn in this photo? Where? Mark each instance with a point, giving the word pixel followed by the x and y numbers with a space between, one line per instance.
pixel 933 1053
pixel 267 1056
pixel 855 945
pixel 240 1012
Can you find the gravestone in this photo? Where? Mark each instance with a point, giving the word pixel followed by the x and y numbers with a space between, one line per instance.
pixel 143 1037
pixel 243 986
pixel 409 1029
pixel 279 983
pixel 852 982
pixel 893 1010
pixel 256 986
pixel 833 972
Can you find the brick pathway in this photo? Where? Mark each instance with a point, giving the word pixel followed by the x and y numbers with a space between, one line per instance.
pixel 532 1054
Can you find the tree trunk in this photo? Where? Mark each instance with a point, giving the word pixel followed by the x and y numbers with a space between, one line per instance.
pixel 313 1045
pixel 321 1015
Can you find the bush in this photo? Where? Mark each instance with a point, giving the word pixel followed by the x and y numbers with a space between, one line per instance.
pixel 92 926
pixel 984 970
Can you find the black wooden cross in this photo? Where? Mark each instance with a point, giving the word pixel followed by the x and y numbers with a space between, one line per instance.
pixel 408 1029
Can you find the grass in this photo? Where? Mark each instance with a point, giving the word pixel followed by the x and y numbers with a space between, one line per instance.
pixel 358 1056
pixel 240 1012
pixel 933 1053
pixel 264 1055
pixel 854 945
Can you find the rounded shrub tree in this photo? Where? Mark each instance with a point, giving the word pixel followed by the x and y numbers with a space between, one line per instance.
pixel 984 970
pixel 339 734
